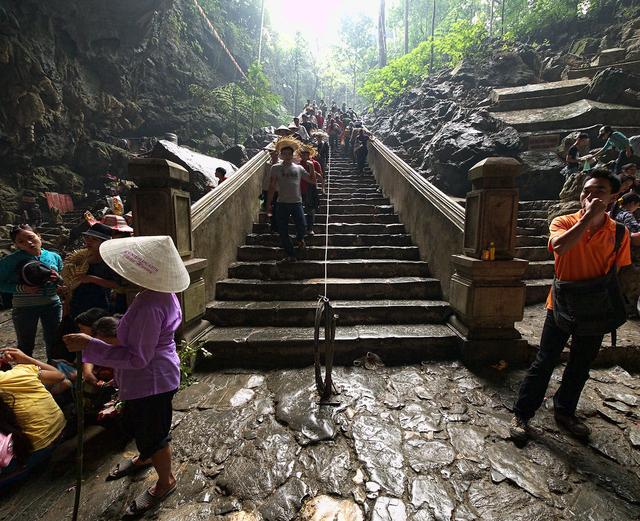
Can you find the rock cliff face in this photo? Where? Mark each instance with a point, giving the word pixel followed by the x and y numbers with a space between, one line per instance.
pixel 79 76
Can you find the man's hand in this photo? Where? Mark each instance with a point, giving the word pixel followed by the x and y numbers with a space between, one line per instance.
pixel 14 355
pixel 76 341
pixel 594 209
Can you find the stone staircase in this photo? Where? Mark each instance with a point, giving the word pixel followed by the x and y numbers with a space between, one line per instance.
pixel 531 244
pixel 386 301
pixel 558 107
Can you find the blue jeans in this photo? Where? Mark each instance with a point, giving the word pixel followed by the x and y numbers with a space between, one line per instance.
pixel 283 211
pixel 25 322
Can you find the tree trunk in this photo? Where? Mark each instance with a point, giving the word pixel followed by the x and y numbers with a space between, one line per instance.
pixel 491 18
pixel 382 36
pixel 261 30
pixel 433 28
pixel 406 26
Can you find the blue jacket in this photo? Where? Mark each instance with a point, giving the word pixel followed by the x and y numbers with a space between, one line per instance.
pixel 9 281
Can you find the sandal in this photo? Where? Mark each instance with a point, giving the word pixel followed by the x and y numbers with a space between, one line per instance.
pixel 126 468
pixel 146 501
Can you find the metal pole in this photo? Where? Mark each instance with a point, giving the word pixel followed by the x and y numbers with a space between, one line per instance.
pixel 80 435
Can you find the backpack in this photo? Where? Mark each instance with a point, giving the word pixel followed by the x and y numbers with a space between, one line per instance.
pixel 590 307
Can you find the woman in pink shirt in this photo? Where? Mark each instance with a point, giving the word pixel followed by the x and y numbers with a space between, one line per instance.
pixel 146 364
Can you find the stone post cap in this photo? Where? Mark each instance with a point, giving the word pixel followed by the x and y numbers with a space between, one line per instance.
pixel 147 169
pixel 495 167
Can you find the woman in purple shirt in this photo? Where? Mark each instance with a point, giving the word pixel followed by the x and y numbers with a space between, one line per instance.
pixel 145 363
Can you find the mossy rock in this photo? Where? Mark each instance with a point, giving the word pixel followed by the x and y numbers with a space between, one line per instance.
pixel 68 181
pixel 38 180
pixel 9 199
pixel 585 46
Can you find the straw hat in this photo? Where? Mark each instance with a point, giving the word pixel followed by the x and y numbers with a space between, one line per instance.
pixel 308 149
pixel 288 142
pixel 283 130
pixel 151 262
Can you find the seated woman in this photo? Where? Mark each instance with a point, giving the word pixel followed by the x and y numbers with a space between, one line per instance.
pixel 28 413
pixel 629 276
pixel 146 363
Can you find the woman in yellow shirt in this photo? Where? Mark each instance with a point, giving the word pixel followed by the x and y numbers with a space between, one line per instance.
pixel 28 413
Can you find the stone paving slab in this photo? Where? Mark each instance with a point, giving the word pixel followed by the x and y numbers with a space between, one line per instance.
pixel 424 442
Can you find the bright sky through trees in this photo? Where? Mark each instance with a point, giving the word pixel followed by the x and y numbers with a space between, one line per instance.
pixel 319 20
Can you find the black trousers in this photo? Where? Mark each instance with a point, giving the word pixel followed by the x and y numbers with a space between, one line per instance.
pixel 583 352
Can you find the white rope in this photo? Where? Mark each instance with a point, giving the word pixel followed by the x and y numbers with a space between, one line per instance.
pixel 327 175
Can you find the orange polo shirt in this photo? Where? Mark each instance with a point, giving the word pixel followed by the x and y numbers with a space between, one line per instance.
pixel 593 256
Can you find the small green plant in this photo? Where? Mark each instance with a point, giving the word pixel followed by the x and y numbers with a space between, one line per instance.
pixel 188 353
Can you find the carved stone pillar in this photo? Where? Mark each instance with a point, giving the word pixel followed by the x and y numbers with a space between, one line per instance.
pixel 162 206
pixel 488 297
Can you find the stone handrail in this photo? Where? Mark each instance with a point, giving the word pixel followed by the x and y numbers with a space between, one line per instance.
pixel 434 221
pixel 222 219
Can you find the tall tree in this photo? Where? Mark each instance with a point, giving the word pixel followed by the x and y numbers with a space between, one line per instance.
pixel 382 36
pixel 406 26
pixel 433 30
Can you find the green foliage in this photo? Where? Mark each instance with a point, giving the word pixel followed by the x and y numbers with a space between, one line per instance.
pixel 245 104
pixel 462 40
pixel 187 354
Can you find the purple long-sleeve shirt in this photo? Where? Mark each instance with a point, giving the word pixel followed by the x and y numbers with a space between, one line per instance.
pixel 146 362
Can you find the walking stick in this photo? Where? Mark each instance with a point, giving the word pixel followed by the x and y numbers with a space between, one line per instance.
pixel 80 435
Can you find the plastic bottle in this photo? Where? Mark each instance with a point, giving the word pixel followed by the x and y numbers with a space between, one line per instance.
pixel 485 255
pixel 492 251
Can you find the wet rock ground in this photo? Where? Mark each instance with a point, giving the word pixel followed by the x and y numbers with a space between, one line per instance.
pixel 422 443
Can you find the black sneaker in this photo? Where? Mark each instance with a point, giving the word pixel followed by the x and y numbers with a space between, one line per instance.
pixel 519 429
pixel 572 424
pixel 310 233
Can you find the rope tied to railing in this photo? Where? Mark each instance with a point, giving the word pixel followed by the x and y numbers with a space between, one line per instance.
pixel 325 313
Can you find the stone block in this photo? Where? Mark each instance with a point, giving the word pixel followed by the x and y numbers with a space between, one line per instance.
pixel 492 208
pixel 609 57
pixel 488 297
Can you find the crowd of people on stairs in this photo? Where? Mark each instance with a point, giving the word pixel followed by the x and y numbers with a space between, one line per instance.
pixel 295 178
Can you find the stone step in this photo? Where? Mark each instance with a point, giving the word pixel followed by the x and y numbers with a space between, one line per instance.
pixel 422 288
pixel 527 232
pixel 319 239
pixel 262 253
pixel 344 209
pixel 579 114
pixel 341 228
pixel 376 198
pixel 344 200
pixel 353 191
pixel 538 224
pixel 533 253
pixel 540 270
pixel 536 214
pixel 270 347
pixel 360 218
pixel 347 268
pixel 537 290
pixel 539 95
pixel 350 312
pixel 542 204
pixel 532 240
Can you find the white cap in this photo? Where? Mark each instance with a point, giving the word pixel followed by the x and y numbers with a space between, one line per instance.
pixel 151 262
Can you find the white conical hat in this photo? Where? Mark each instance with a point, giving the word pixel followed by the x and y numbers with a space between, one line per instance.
pixel 151 262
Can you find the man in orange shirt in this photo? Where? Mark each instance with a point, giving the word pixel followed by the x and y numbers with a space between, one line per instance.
pixel 583 245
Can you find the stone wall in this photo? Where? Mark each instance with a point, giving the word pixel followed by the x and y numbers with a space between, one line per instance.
pixel 434 220
pixel 222 219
